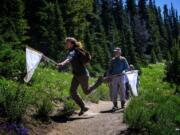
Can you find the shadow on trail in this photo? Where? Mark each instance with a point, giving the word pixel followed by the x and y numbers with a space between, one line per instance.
pixel 119 110
pixel 65 118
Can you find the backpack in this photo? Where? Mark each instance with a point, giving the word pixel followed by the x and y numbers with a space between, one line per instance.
pixel 83 55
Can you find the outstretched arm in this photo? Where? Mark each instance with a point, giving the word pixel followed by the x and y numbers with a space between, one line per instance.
pixel 65 62
pixel 68 59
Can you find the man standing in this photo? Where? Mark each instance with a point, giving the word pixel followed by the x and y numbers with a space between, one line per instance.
pixel 117 85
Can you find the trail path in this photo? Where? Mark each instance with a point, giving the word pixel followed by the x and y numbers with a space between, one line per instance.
pixel 97 121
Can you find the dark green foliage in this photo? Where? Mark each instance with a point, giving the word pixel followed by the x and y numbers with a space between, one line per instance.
pixel 74 15
pixel 167 23
pixel 12 62
pixel 47 27
pixel 131 55
pixel 44 108
pixel 153 30
pixel 156 109
pixel 173 66
pixel 13 26
pixel 100 25
pixel 118 13
pixel 69 107
pixel 14 99
pixel 131 7
pixel 153 57
pixel 142 9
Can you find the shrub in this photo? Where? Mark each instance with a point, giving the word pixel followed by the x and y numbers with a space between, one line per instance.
pixel 13 129
pixel 101 93
pixel 44 108
pixel 156 109
pixel 12 63
pixel 69 107
pixel 14 99
pixel 97 68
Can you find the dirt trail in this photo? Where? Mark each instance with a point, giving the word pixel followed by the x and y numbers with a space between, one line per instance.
pixel 97 121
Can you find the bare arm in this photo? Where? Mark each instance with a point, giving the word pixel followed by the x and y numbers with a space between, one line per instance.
pixel 65 62
pixel 68 59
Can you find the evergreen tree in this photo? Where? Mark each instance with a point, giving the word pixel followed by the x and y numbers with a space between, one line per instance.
pixel 74 15
pixel 118 13
pixel 107 18
pixel 131 55
pixel 109 24
pixel 141 37
pixel 138 27
pixel 47 29
pixel 95 39
pixel 153 57
pixel 168 34
pixel 60 33
pixel 168 56
pixel 142 9
pixel 173 66
pixel 162 30
pixel 131 7
pixel 121 21
pixel 13 25
pixel 153 29
pixel 174 23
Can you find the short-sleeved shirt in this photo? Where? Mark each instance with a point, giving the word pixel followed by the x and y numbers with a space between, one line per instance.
pixel 118 65
pixel 77 67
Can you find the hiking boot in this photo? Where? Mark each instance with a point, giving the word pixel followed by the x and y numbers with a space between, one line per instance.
pixel 122 104
pixel 114 109
pixel 83 110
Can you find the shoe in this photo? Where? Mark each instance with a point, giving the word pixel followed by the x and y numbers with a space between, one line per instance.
pixel 83 110
pixel 114 109
pixel 122 104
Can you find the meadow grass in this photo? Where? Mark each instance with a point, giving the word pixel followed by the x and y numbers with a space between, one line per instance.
pixel 156 110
